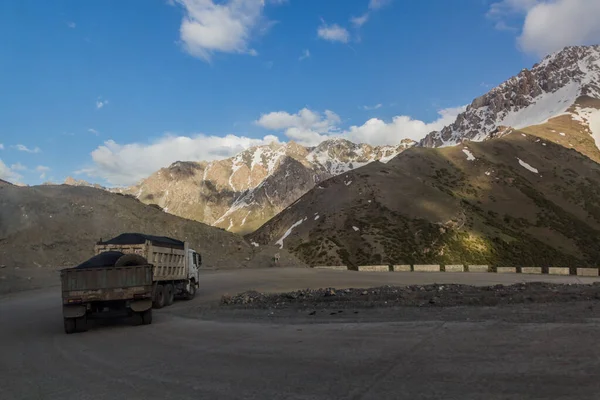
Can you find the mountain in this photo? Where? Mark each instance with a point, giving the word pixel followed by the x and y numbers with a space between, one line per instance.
pixel 549 89
pixel 519 187
pixel 58 225
pixel 241 193
pixel 518 200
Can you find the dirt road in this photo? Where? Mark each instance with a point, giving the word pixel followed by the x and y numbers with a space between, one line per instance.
pixel 196 350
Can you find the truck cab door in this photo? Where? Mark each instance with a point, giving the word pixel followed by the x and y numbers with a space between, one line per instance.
pixel 194 264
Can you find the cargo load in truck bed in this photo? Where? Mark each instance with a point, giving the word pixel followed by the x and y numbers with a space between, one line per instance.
pixel 106 259
pixel 141 238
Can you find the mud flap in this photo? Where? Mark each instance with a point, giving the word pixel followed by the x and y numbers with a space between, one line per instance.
pixel 141 305
pixel 74 311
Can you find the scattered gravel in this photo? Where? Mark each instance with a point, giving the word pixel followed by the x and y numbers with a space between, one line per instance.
pixel 416 296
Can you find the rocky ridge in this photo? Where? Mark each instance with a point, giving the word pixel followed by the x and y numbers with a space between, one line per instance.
pixel 243 192
pixel 530 98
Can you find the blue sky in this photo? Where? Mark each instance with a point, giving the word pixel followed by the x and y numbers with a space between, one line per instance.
pixel 111 90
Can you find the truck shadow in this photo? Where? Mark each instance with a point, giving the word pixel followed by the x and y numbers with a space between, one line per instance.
pixel 109 322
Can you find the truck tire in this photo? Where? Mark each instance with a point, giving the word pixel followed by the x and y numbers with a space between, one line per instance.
pixel 143 317
pixel 146 317
pixel 81 324
pixel 130 260
pixel 73 325
pixel 159 297
pixel 70 325
pixel 169 294
pixel 190 294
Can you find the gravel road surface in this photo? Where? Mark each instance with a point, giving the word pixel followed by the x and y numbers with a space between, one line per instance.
pixel 200 350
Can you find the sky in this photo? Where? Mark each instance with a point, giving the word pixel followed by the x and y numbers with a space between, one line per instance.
pixel 110 91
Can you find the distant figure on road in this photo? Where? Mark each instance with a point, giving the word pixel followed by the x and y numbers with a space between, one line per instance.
pixel 276 260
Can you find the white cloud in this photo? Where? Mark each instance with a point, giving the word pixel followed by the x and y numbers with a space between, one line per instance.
pixel 378 132
pixel 26 149
pixel 43 170
pixel 503 26
pixel 227 26
pixel 305 55
pixel 1 146
pixel 373 6
pixel 18 167
pixel 304 118
pixel 375 107
pixel 101 103
pixel 377 4
pixel 333 33
pixel 360 21
pixel 504 8
pixel 92 130
pixel 71 25
pixel 309 128
pixel 126 164
pixel 8 174
pixel 549 25
pixel 306 127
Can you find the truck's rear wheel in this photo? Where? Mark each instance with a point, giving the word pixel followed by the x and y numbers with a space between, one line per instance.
pixel 169 294
pixel 146 317
pixel 191 293
pixel 81 324
pixel 159 297
pixel 73 325
pixel 143 317
pixel 70 325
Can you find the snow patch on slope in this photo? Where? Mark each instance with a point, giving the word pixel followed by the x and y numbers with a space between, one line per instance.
pixel 544 107
pixel 288 232
pixel 527 166
pixel 591 116
pixel 470 156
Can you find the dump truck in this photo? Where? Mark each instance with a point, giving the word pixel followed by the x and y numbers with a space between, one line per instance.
pixel 129 275
pixel 175 265
pixel 110 282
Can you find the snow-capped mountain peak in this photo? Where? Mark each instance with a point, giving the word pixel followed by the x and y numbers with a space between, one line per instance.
pixel 533 96
pixel 337 156
pixel 242 192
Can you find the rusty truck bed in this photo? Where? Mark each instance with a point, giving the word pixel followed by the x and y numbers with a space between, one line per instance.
pixel 106 284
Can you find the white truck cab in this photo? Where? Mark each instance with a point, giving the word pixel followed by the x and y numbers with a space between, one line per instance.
pixel 194 261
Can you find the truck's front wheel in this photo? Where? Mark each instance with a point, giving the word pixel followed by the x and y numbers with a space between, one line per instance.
pixel 191 292
pixel 159 297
